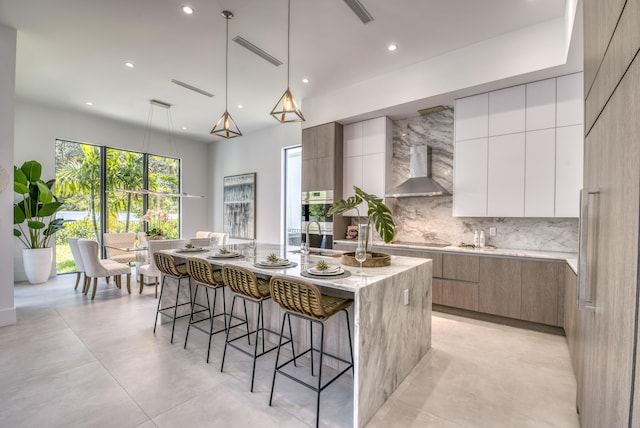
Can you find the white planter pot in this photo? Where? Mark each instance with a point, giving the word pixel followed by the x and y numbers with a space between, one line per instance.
pixel 37 264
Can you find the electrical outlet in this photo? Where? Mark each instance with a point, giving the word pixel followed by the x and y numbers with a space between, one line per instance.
pixel 406 296
pixel 493 231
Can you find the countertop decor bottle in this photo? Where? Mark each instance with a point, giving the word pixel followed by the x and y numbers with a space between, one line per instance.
pixel 476 238
pixel 482 241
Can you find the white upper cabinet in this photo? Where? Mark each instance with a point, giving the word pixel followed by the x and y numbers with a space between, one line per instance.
pixel 540 173
pixel 528 162
pixel 505 171
pixel 374 136
pixel 506 111
pixel 541 105
pixel 470 178
pixel 570 100
pixel 352 139
pixel 569 158
pixel 367 155
pixel 472 117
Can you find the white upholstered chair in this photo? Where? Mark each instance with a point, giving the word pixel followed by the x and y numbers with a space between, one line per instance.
pixel 150 269
pixel 77 258
pixel 96 268
pixel 113 241
pixel 199 242
pixel 203 234
pixel 219 238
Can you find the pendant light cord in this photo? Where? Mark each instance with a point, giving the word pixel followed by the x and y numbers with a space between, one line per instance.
pixel 288 41
pixel 226 69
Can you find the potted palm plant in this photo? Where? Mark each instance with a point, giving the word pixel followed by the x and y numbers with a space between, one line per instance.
pixel 37 208
pixel 378 214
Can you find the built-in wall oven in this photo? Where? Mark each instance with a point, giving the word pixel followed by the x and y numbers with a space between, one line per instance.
pixel 314 209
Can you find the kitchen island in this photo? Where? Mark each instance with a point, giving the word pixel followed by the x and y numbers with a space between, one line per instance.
pixel 391 332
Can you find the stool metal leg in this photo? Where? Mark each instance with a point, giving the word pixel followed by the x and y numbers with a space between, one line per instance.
pixel 319 373
pixel 311 340
pixel 195 295
pixel 275 368
pixel 159 301
pixel 255 348
pixel 175 309
pixel 226 341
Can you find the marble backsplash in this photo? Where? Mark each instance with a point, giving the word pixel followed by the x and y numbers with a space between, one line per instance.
pixel 429 219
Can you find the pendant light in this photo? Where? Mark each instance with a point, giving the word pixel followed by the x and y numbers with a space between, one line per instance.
pixel 287 110
pixel 226 127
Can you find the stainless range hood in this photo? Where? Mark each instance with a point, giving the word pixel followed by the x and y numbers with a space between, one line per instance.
pixel 420 182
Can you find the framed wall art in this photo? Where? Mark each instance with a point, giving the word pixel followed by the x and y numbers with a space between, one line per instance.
pixel 239 205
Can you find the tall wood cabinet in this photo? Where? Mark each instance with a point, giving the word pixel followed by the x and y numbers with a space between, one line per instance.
pixel 607 336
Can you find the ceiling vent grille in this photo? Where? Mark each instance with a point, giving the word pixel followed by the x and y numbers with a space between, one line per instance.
pixel 256 50
pixel 192 88
pixel 359 10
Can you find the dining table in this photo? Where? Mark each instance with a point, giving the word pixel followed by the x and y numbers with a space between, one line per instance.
pixel 391 313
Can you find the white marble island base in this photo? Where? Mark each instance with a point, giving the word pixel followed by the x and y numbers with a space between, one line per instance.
pixel 389 337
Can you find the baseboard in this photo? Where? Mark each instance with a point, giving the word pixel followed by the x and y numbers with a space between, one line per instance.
pixel 500 320
pixel 7 316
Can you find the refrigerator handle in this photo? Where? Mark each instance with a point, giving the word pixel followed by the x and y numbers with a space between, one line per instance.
pixel 584 302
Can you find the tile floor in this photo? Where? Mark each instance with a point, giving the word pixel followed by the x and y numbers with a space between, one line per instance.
pixel 70 362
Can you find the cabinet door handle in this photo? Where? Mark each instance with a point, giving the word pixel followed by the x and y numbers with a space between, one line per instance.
pixel 584 302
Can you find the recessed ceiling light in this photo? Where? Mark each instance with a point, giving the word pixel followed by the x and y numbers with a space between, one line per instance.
pixel 89 103
pixel 129 64
pixel 392 47
pixel 187 9
pixel 184 128
pixel 240 106
pixel 305 80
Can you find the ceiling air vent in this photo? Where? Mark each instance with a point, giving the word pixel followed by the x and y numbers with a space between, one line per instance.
pixel 359 10
pixel 192 88
pixel 434 109
pixel 256 50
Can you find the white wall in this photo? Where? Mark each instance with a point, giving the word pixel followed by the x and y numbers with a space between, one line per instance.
pixel 37 127
pixel 260 152
pixel 7 96
pixel 527 50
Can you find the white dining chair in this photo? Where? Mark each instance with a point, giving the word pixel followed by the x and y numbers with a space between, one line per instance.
pixel 116 244
pixel 219 238
pixel 150 269
pixel 77 258
pixel 203 234
pixel 199 242
pixel 96 268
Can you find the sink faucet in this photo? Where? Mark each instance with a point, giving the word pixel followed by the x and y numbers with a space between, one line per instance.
pixel 307 234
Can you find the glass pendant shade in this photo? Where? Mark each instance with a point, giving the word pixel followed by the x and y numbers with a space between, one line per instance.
pixel 287 110
pixel 226 127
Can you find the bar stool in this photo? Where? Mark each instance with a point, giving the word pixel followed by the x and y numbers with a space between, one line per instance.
pixel 203 275
pixel 167 266
pixel 246 286
pixel 302 299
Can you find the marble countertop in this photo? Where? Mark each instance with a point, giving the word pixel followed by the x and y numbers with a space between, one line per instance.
pixel 570 258
pixel 351 283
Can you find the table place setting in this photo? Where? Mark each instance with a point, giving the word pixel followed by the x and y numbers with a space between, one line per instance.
pixel 223 253
pixel 191 250
pixel 274 262
pixel 324 270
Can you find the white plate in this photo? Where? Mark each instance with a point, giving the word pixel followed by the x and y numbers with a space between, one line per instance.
pixel 224 256
pixel 329 272
pixel 279 262
pixel 190 250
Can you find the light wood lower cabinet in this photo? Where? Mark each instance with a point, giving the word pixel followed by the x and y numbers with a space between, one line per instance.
pixel 512 287
pixel 500 287
pixel 459 294
pixel 542 297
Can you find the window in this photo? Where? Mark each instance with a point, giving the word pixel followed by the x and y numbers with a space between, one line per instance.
pixel 292 172
pixel 91 180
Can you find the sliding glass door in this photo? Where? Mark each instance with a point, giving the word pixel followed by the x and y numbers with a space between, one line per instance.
pixel 106 190
pixel 292 179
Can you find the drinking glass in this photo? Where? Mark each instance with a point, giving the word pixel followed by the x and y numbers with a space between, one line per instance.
pixel 361 256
